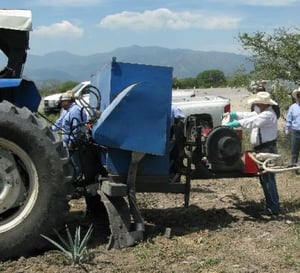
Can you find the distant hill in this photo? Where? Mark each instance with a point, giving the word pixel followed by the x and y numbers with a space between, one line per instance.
pixel 64 66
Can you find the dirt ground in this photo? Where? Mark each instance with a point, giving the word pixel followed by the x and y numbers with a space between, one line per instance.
pixel 222 231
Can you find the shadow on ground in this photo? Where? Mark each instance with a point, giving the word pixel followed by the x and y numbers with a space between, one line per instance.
pixel 185 220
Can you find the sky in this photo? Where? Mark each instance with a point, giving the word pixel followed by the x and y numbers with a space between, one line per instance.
pixel 86 27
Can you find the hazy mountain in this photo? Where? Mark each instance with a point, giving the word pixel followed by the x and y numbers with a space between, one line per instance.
pixel 64 66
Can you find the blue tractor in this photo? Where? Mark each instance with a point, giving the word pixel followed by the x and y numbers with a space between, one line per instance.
pixel 34 167
pixel 132 135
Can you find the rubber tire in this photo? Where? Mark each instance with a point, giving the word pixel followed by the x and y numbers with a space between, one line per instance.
pixel 51 184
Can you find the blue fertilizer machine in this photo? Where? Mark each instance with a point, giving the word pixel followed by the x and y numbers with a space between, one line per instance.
pixel 143 144
pixel 135 127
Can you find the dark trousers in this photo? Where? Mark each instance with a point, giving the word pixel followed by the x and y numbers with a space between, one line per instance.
pixel 268 183
pixel 177 151
pixel 295 146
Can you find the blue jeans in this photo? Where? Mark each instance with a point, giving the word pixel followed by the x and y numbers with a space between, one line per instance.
pixel 75 159
pixel 268 183
pixel 295 146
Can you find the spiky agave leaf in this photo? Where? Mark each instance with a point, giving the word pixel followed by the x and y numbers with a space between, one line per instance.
pixel 82 249
pixel 65 252
pixel 75 250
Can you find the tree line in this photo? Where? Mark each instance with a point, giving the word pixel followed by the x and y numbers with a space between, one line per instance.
pixel 205 79
pixel 214 78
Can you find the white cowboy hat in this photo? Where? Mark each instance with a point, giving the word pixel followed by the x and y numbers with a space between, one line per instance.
pixel 263 98
pixel 294 93
pixel 68 95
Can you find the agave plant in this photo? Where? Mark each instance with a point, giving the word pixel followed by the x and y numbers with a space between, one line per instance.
pixel 75 249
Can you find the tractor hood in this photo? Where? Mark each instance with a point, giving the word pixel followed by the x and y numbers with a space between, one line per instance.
pixel 16 19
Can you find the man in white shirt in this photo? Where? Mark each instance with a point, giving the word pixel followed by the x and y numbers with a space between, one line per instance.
pixel 263 125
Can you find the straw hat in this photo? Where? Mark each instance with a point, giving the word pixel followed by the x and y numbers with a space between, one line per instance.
pixel 294 93
pixel 68 95
pixel 263 98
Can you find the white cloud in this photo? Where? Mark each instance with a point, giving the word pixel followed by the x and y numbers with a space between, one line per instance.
pixel 166 19
pixel 62 29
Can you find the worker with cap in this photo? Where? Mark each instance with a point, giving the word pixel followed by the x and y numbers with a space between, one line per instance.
pixel 262 122
pixel 292 126
pixel 72 124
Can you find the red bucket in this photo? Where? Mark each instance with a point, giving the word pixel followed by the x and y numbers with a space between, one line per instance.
pixel 249 164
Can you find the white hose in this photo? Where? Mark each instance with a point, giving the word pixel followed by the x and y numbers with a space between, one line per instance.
pixel 263 164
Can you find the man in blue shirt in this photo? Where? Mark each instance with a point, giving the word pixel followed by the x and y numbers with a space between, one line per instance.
pixel 178 139
pixel 72 124
pixel 176 114
pixel 292 126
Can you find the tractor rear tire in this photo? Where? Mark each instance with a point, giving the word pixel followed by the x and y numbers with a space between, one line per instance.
pixel 44 172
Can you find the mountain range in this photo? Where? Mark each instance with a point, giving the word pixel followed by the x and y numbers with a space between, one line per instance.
pixel 64 66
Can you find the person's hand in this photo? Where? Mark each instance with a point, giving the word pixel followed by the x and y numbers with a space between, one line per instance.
pixel 228 117
pixel 231 115
pixel 233 124
pixel 225 115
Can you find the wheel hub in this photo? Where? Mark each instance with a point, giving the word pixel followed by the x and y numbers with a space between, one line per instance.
pixel 11 186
